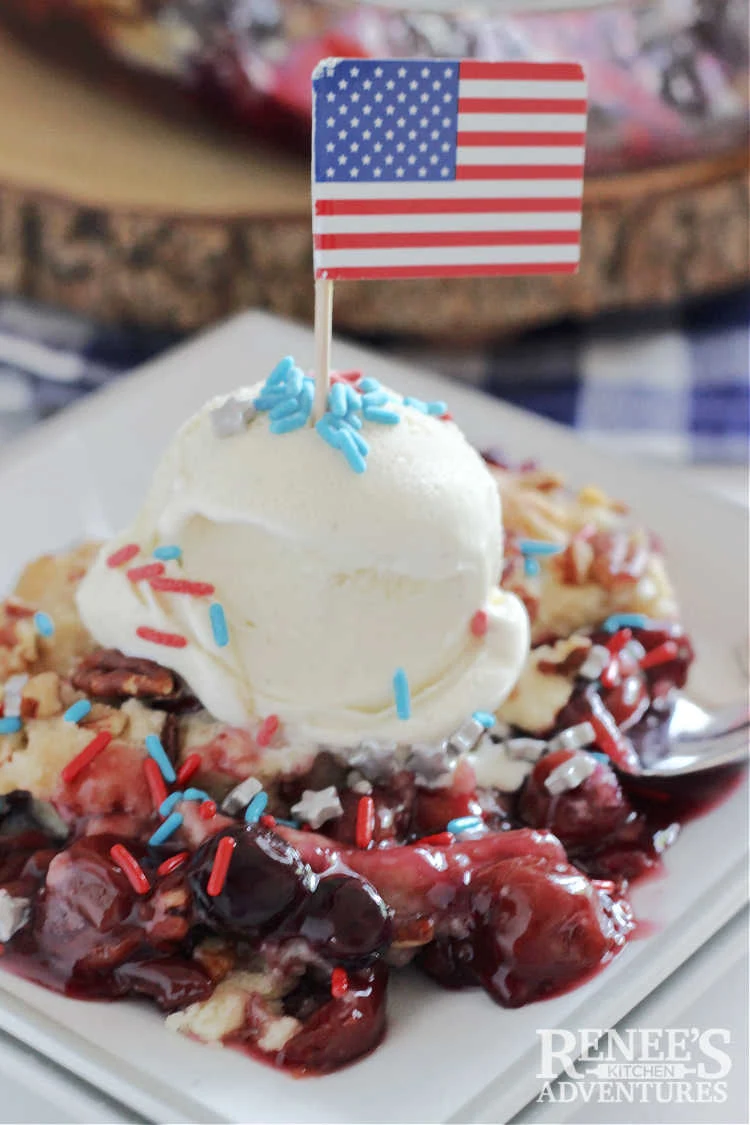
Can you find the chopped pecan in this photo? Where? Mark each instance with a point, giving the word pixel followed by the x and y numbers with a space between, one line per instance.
pixel 40 698
pixel 620 558
pixel 171 738
pixel 109 674
pixel 574 564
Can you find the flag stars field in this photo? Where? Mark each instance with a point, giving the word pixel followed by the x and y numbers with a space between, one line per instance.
pixel 467 168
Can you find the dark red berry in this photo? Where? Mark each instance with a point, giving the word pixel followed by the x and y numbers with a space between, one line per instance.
pixel 265 883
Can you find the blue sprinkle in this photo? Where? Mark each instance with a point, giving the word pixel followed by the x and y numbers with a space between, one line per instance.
pixel 196 795
pixel 384 417
pixel 464 824
pixel 436 408
pixel 77 712
pixel 360 443
pixel 287 823
pixel 165 830
pixel 353 398
pixel 158 753
pixel 416 403
pixel 530 566
pixel 327 432
pixel 348 447
pixel 337 403
pixel 256 808
pixel 168 804
pixel 623 621
pixel 485 718
pixel 354 421
pixel 287 425
pixel 294 382
pixel 219 625
pixel 283 409
pixel 167 553
pixel 306 396
pixel 280 372
pixel 402 694
pixel 369 384
pixel 266 400
pixel 539 547
pixel 10 726
pixel 375 398
pixel 604 758
pixel 44 623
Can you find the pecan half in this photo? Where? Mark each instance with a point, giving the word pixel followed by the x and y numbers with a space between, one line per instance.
pixel 109 674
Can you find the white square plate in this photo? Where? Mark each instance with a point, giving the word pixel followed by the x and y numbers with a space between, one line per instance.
pixel 447 1056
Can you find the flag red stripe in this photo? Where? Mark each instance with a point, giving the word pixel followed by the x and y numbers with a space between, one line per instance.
pixel 390 240
pixel 519 172
pixel 521 105
pixel 444 206
pixel 520 71
pixel 520 140
pixel 340 273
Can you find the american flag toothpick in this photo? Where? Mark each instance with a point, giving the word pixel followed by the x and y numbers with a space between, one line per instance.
pixel 444 168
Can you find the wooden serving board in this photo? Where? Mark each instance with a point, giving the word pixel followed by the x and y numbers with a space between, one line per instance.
pixel 133 212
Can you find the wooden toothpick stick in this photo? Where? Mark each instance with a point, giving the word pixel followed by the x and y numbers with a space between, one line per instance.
pixel 323 330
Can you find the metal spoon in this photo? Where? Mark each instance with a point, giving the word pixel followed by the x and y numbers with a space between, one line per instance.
pixel 694 742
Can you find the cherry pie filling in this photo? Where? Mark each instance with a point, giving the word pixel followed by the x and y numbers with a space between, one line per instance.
pixel 525 898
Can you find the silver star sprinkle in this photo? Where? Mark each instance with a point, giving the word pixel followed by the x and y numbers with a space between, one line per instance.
pixel 569 774
pixel 14 914
pixel 316 806
pixel 375 760
pixel 232 417
pixel 241 796
pixel 431 762
pixel 525 749
pixel 467 737
pixel 574 738
pixel 14 686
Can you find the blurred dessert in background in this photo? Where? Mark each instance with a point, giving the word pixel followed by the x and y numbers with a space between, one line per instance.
pixel 667 81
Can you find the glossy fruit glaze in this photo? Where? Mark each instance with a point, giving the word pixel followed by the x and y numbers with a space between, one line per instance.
pixel 529 903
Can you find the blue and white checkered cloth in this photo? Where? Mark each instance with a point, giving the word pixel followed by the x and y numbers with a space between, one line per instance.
pixel 669 384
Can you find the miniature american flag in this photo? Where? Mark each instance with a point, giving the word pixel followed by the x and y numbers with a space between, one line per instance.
pixel 434 167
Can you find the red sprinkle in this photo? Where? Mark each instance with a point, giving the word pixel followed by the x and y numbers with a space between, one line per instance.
pixel 86 757
pixel 125 554
pixel 207 810
pixel 439 840
pixel 170 640
pixel 479 623
pixel 189 767
pixel 660 655
pixel 339 983
pixel 267 730
pixel 611 674
pixel 222 859
pixel 346 376
pixel 267 821
pixel 365 825
pixel 15 609
pixel 155 781
pixel 131 869
pixel 619 640
pixel 141 573
pixel 171 864
pixel 446 417
pixel 182 586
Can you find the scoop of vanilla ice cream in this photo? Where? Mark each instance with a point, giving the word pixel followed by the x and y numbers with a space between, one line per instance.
pixel 330 580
